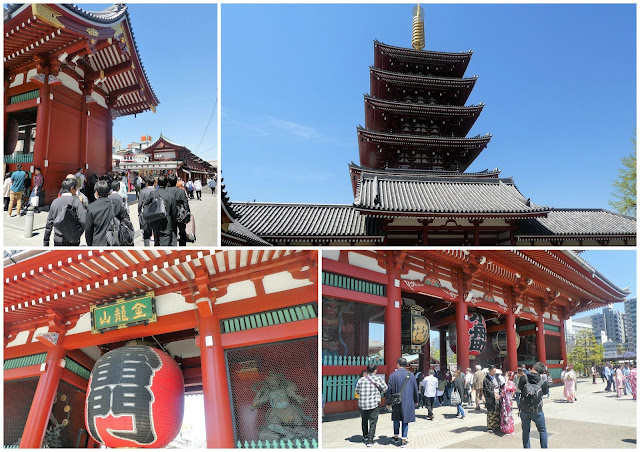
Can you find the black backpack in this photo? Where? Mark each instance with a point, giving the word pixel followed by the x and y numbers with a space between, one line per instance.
pixel 184 215
pixel 68 224
pixel 119 233
pixel 531 399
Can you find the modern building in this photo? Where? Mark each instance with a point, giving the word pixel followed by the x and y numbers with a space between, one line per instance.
pixel 611 323
pixel 630 324
pixel 573 327
pixel 500 307
pixel 242 326
pixel 411 187
pixel 68 74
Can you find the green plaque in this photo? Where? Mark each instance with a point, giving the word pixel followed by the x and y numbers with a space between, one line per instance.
pixel 123 313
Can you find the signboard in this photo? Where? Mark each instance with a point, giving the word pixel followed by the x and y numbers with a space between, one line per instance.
pixel 123 313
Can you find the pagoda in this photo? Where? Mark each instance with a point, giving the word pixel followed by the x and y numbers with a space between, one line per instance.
pixel 410 186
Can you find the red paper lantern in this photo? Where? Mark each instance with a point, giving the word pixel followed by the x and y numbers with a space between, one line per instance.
pixel 477 334
pixel 135 398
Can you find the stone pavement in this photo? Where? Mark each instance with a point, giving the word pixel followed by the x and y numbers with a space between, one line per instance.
pixel 596 420
pixel 205 213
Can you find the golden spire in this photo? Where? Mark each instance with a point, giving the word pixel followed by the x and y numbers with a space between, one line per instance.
pixel 417 36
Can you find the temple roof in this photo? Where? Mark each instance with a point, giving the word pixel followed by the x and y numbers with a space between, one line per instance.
pixel 424 195
pixel 231 225
pixel 426 56
pixel 424 108
pixel 307 221
pixel 412 171
pixel 423 80
pixel 577 223
pixel 453 142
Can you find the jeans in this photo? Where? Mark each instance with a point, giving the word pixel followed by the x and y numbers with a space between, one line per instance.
pixel 518 395
pixel 460 410
pixel 369 422
pixel 541 425
pixel 608 388
pixel 405 428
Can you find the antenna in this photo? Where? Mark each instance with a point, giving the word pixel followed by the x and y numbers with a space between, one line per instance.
pixel 417 36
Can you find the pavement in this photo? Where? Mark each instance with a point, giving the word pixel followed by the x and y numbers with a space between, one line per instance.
pixel 596 420
pixel 205 213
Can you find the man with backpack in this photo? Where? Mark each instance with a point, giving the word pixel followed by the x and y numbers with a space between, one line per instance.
pixel 163 227
pixel 402 395
pixel 533 388
pixel 99 216
pixel 183 211
pixel 369 389
pixel 147 191
pixel 67 215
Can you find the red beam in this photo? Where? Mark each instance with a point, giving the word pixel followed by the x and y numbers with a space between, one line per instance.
pixel 31 103
pixel 24 350
pixel 22 372
pixel 350 370
pixel 351 295
pixel 275 333
pixel 277 300
pixel 443 321
pixel 81 358
pixel 75 380
pixel 352 271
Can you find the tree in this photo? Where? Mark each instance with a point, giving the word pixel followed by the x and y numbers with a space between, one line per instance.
pixel 625 185
pixel 620 349
pixel 587 352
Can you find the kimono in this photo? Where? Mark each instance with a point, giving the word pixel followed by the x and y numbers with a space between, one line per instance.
pixel 633 381
pixel 570 386
pixel 490 389
pixel 506 399
pixel 619 381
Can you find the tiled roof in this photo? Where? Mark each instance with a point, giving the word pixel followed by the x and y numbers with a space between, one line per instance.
pixel 578 222
pixel 273 220
pixel 238 230
pixel 432 194
pixel 421 172
pixel 423 80
pixel 422 53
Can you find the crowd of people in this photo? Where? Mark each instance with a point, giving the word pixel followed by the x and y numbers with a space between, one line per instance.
pixel 621 379
pixel 98 207
pixel 408 391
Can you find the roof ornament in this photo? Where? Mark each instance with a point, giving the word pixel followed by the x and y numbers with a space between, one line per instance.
pixel 417 36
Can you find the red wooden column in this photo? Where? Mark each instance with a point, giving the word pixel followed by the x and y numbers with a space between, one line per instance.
pixel 512 349
pixel 424 359
pixel 392 315
pixel 215 384
pixel 36 425
pixel 540 343
pixel 443 351
pixel 40 148
pixel 462 333
pixel 563 339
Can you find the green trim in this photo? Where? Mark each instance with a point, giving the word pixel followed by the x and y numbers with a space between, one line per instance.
pixel 552 328
pixel 269 318
pixel 338 388
pixel 76 368
pixel 528 327
pixel 328 360
pixel 24 96
pixel 25 361
pixel 282 444
pixel 357 285
pixel 19 158
pixel 555 373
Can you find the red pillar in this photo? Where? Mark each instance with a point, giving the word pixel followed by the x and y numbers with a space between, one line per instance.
pixel 462 332
pixel 425 358
pixel 392 315
pixel 563 342
pixel 443 351
pixel 36 425
pixel 540 343
pixel 215 387
pixel 512 349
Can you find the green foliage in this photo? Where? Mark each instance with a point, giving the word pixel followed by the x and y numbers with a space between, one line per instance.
pixel 587 351
pixel 625 185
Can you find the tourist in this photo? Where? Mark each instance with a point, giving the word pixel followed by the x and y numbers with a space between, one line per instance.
pixel 6 190
pixel 90 186
pixel 124 191
pixel 491 392
pixel 81 179
pixel 27 191
pixel 545 378
pixel 625 372
pixel 478 379
pixel 607 376
pixel 369 389
pixel 419 377
pixel 182 206
pixel 137 184
pixel 403 382
pixel 593 373
pixel 506 400
pixel 15 192
pixel 197 186
pixel 619 380
pixel 468 386
pixel 569 378
pixel 442 384
pixel 190 189
pixel 533 388
pixel 99 216
pixel 144 194
pixel 633 381
pixel 163 229
pixel 500 377
pixel 212 185
pixel 516 380
pixel 428 389
pixel 69 232
pixel 38 190
pixel 115 193
pixel 458 393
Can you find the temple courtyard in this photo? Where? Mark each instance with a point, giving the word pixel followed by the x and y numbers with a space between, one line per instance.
pixel 204 212
pixel 596 420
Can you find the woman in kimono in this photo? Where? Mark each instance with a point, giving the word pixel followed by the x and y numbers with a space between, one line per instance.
pixel 569 377
pixel 619 380
pixel 633 381
pixel 506 399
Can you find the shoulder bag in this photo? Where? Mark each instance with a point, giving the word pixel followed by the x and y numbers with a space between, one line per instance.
pixel 396 399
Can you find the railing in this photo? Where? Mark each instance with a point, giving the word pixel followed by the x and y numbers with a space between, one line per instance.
pixel 338 388
pixel 282 444
pixel 553 361
pixel 328 360
pixel 19 158
pixel 555 373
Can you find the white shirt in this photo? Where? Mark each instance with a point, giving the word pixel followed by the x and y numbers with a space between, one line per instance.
pixel 429 386
pixel 468 379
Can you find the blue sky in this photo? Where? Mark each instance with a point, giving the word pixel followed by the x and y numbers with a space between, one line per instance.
pixel 558 81
pixel 178 48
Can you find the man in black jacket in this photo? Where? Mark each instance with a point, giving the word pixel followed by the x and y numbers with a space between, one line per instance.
pixel 144 194
pixel 99 215
pixel 68 197
pixel 164 229
pixel 491 392
pixel 181 200
pixel 531 406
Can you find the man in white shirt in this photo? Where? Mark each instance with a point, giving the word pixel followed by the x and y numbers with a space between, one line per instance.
pixel 468 385
pixel 428 388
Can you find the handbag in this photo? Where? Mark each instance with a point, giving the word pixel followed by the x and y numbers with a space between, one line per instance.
pixel 396 399
pixel 455 398
pixel 155 209
pixel 34 199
